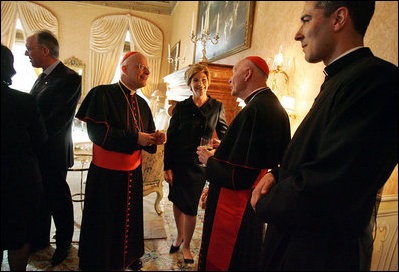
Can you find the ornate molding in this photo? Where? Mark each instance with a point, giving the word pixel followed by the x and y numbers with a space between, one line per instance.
pixel 75 62
pixel 385 255
pixel 156 7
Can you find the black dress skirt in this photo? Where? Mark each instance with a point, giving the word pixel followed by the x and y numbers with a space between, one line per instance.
pixel 187 125
pixel 188 182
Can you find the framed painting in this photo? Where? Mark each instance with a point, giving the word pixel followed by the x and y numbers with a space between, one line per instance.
pixel 235 28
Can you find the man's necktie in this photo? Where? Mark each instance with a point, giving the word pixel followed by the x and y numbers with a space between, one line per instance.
pixel 38 84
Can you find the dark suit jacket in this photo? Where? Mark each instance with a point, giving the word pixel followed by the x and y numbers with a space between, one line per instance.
pixel 22 136
pixel 57 98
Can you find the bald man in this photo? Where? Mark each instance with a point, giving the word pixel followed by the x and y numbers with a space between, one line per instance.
pixel 120 125
pixel 254 143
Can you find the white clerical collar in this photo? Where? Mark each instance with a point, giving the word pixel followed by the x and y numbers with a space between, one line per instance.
pixel 51 67
pixel 346 53
pixel 132 92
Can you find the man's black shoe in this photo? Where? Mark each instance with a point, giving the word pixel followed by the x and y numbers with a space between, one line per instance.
pixel 59 256
pixel 136 266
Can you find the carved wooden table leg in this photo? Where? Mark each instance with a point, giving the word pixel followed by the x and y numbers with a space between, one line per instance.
pixel 158 200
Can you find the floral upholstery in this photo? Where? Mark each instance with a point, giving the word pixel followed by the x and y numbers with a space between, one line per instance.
pixel 152 167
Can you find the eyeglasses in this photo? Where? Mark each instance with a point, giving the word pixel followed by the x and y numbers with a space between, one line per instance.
pixel 142 67
pixel 29 49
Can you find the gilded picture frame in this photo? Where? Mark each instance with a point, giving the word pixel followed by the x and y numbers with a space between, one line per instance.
pixel 79 67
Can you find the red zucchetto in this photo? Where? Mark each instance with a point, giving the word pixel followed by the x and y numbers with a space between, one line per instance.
pixel 128 55
pixel 260 63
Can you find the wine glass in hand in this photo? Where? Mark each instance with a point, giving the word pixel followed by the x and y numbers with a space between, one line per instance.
pixel 205 142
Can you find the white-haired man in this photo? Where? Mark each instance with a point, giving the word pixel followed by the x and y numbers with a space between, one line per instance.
pixel 57 92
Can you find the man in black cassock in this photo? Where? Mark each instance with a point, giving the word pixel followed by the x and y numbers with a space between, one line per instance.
pixel 254 143
pixel 120 125
pixel 319 202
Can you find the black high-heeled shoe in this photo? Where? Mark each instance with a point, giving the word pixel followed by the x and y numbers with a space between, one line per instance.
pixel 174 249
pixel 188 261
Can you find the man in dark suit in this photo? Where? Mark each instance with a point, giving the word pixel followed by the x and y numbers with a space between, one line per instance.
pixel 57 92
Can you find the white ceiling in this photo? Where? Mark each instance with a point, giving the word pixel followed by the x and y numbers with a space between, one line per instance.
pixel 158 7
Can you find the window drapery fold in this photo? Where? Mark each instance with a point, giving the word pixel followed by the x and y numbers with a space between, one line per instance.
pixel 32 16
pixel 107 38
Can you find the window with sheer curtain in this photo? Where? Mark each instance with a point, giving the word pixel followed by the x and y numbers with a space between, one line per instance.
pixel 79 133
pixel 32 17
pixel 107 40
pixel 25 75
pixel 20 19
pixel 126 48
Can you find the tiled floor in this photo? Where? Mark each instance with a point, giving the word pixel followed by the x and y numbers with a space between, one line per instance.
pixel 156 257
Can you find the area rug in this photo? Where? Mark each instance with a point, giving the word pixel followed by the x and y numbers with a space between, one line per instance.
pixel 155 258
pixel 154 227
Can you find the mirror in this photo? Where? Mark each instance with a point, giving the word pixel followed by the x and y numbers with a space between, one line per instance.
pixel 79 131
pixel 79 67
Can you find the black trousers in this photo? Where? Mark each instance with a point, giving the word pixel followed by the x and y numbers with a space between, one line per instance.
pixel 56 202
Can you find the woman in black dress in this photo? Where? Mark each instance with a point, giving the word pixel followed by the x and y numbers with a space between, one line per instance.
pixel 197 116
pixel 22 134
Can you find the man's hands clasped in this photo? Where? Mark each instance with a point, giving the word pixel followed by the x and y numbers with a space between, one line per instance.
pixel 147 139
